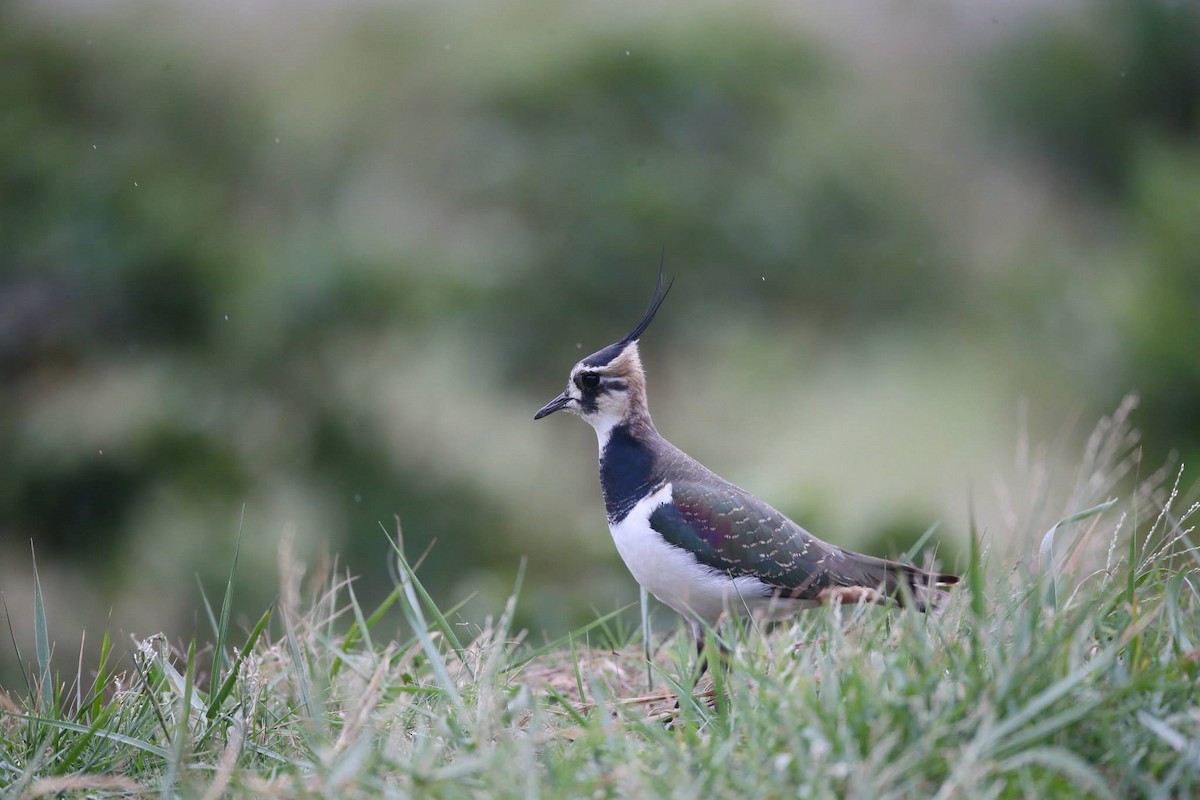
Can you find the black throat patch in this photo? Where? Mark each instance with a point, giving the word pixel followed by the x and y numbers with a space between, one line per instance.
pixel 626 472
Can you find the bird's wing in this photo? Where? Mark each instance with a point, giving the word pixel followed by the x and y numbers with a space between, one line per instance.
pixel 731 530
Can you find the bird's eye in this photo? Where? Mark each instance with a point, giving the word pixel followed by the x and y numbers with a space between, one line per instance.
pixel 588 380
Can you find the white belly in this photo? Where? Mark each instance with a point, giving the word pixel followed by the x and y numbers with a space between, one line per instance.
pixel 673 575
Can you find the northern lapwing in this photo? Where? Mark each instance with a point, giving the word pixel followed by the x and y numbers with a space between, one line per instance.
pixel 697 542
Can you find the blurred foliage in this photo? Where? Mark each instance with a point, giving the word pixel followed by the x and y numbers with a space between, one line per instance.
pixel 733 148
pixel 1089 89
pixel 313 267
pixel 1111 100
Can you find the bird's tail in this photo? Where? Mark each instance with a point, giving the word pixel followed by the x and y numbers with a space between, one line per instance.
pixel 891 581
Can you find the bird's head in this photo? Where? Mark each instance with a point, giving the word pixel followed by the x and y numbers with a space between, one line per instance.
pixel 609 386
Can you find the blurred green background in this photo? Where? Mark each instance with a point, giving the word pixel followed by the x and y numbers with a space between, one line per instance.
pixel 323 261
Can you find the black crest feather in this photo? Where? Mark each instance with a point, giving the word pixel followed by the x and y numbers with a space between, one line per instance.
pixel 656 300
pixel 602 357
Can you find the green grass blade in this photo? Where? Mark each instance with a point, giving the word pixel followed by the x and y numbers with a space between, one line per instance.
pixel 510 606
pixel 1065 763
pixel 303 679
pixel 218 698
pixel 558 643
pixel 686 700
pixel 578 673
pixel 360 629
pixel 208 609
pixel 102 676
pixel 360 622
pixel 567 706
pixel 1046 550
pixel 1172 738
pixel 1043 727
pixel 412 585
pixel 226 609
pixel 416 620
pixel 647 636
pixel 1131 570
pixel 354 634
pixel 12 634
pixel 908 555
pixel 975 577
pixel 1175 617
pixel 130 741
pixel 717 666
pixel 183 729
pixel 66 763
pixel 1044 699
pixel 41 635
pixel 977 593
pixel 150 687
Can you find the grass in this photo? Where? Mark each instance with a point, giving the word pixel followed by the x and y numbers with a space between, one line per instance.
pixel 1072 672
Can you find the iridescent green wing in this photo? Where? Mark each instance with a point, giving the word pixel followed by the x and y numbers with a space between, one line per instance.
pixel 730 530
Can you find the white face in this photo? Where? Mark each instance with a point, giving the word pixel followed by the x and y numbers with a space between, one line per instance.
pixel 597 395
pixel 602 394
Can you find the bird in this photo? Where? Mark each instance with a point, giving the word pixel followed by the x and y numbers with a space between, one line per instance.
pixel 701 545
